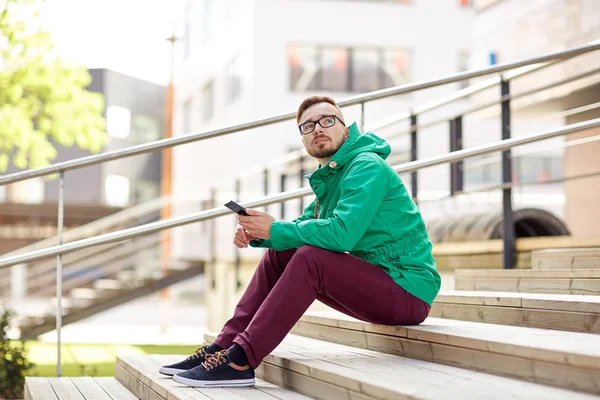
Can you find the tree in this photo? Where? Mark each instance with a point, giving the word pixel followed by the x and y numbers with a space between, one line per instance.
pixel 13 364
pixel 42 99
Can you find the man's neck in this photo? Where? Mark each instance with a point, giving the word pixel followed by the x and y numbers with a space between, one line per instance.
pixel 323 161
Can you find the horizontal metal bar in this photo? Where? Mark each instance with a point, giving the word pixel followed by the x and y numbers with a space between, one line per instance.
pixel 493 103
pixel 289 195
pixel 376 95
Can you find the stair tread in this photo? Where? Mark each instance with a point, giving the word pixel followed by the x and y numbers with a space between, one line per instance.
pixel 385 376
pixel 530 273
pixel 79 388
pixel 562 302
pixel 145 369
pixel 570 348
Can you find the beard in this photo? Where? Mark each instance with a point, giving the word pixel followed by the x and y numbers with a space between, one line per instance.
pixel 325 149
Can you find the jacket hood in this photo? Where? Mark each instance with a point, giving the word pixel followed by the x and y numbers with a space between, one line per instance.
pixel 356 144
pixel 360 143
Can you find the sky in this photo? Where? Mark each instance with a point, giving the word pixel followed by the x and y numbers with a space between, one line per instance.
pixel 128 36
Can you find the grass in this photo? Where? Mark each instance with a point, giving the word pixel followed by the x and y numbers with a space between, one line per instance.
pixel 89 359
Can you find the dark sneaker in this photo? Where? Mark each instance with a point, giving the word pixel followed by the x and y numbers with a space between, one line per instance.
pixel 217 371
pixel 192 361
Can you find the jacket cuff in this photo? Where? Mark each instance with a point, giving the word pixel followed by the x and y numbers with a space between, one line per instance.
pixel 278 239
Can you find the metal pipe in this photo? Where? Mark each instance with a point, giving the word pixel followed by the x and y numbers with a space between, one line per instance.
pixel 414 183
pixel 59 275
pixel 290 195
pixel 362 117
pixel 508 252
pixel 376 95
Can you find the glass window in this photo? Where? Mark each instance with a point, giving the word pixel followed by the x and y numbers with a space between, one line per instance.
pixel 187 116
pixel 30 191
pixel 233 83
pixel 333 71
pixel 118 121
pixel 208 106
pixel 395 68
pixel 303 62
pixel 116 191
pixel 463 65
pixel 365 70
pixel 145 129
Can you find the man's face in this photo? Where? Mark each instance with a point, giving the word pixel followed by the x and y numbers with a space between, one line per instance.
pixel 323 142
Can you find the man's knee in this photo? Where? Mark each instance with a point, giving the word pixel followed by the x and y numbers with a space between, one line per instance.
pixel 309 252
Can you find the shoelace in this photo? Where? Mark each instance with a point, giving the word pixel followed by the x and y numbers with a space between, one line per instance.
pixel 214 360
pixel 200 352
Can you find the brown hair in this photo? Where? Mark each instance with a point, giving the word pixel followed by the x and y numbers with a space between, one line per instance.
pixel 312 100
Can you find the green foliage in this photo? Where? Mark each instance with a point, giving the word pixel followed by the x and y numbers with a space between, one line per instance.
pixel 14 365
pixel 41 97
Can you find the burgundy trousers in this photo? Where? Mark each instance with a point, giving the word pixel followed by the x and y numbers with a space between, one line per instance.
pixel 287 282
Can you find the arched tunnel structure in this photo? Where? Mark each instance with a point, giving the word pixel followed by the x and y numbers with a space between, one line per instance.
pixel 528 222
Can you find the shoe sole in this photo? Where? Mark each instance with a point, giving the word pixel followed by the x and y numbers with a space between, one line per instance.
pixel 195 383
pixel 170 371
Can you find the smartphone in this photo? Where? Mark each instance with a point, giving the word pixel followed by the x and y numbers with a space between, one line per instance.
pixel 236 208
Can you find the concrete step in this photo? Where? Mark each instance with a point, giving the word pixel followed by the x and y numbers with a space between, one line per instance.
pixel 140 375
pixel 80 388
pixel 558 281
pixel 326 370
pixel 567 312
pixel 587 258
pixel 564 359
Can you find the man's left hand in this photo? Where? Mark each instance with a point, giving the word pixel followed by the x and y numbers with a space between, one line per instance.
pixel 258 223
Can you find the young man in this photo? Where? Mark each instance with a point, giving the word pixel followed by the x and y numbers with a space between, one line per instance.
pixel 361 208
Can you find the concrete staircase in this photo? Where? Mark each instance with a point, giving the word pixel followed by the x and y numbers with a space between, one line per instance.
pixel 474 345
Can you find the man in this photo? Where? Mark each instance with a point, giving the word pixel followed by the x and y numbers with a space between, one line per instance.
pixel 360 247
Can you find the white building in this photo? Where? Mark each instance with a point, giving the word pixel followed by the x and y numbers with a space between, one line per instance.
pixel 249 59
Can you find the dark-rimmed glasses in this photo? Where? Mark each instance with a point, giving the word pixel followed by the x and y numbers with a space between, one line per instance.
pixel 326 121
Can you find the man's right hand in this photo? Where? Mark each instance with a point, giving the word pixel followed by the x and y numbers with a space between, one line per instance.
pixel 242 238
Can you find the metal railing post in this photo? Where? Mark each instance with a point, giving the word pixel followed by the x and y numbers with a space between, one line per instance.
pixel 282 189
pixel 509 232
pixel 362 117
pixel 456 169
pixel 61 218
pixel 301 173
pixel 213 240
pixel 238 256
pixel 414 183
pixel 266 185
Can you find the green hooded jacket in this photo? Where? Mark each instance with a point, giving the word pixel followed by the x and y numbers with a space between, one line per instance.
pixel 364 209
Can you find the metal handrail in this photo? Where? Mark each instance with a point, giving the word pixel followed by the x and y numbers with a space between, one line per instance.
pixel 289 195
pixel 355 100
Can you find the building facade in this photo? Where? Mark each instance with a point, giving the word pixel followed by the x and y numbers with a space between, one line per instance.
pixel 134 112
pixel 243 60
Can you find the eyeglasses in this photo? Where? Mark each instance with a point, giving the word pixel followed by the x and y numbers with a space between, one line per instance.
pixel 326 122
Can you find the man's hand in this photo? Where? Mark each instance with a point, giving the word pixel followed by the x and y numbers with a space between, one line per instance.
pixel 242 238
pixel 257 224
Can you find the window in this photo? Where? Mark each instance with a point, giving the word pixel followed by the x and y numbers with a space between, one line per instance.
pixel 187 116
pixel 208 101
pixel 118 121
pixel 463 65
pixel 346 69
pixel 116 191
pixel 233 80
pixel 303 62
pixel 30 191
pixel 525 169
pixel 145 129
pixel 188 18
